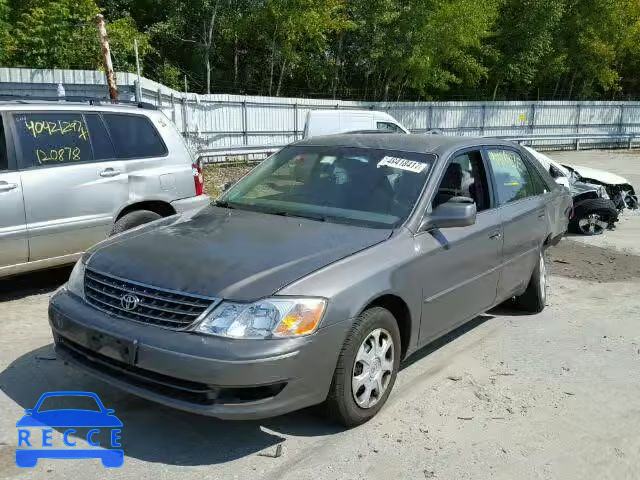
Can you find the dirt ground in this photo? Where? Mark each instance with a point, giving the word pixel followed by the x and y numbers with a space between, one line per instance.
pixel 507 396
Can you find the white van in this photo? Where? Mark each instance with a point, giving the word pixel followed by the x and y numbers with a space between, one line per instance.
pixel 330 122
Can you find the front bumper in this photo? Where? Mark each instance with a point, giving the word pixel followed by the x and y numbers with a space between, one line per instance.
pixel 224 378
pixel 191 203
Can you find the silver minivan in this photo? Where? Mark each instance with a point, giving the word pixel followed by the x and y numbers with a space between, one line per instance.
pixel 73 173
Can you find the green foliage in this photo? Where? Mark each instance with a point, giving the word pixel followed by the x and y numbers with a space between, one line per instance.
pixel 361 49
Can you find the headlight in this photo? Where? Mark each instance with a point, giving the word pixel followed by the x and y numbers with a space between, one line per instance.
pixel 269 318
pixel 75 284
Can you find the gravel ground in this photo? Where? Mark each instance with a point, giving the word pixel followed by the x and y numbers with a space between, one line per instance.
pixel 548 396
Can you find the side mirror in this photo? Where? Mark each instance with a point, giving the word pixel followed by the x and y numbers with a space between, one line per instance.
pixel 227 186
pixel 564 181
pixel 457 212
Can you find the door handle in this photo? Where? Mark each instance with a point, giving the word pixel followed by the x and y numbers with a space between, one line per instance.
pixel 109 172
pixel 495 235
pixel 7 187
pixel 542 215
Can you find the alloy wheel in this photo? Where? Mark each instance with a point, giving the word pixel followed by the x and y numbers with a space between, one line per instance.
pixel 372 368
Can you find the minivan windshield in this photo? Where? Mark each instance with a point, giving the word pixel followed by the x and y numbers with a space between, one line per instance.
pixel 360 186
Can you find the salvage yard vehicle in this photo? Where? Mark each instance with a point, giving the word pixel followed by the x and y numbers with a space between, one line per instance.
pixel 286 293
pixel 74 172
pixel 593 211
pixel 619 188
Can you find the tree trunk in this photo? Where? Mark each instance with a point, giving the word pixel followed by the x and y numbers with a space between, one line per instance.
pixel 573 79
pixel 273 54
pixel 235 61
pixel 208 44
pixel 336 72
pixel 495 91
pixel 208 74
pixel 284 65
pixel 555 91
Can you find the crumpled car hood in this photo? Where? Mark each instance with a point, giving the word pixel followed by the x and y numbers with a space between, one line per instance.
pixel 230 254
pixel 599 175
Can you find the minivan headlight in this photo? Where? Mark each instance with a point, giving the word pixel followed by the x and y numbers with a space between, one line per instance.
pixel 75 284
pixel 269 318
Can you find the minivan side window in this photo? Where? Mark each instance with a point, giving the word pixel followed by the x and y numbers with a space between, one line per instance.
pixel 134 136
pixel 514 180
pixel 49 139
pixel 389 127
pixel 100 141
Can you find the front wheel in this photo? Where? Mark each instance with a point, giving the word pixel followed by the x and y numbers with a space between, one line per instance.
pixel 367 368
pixel 534 298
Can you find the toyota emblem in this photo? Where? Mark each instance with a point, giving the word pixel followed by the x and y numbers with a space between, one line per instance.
pixel 129 301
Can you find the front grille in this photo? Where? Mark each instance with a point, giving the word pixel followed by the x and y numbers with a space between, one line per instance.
pixel 155 306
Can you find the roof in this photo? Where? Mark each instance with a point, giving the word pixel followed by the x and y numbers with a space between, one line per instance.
pixel 438 144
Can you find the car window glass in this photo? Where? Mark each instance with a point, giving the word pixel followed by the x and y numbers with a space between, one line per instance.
pixel 368 187
pixel 134 136
pixel 465 176
pixel 4 160
pixel 67 402
pixel 50 139
pixel 100 141
pixel 513 178
pixel 388 126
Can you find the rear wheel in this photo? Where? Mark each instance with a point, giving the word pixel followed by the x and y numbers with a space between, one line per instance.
pixel 534 298
pixel 134 219
pixel 367 368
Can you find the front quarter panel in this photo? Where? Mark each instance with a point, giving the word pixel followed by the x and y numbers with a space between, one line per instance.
pixel 354 282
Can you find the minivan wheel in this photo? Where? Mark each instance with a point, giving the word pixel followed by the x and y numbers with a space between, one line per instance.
pixel 367 368
pixel 534 298
pixel 134 219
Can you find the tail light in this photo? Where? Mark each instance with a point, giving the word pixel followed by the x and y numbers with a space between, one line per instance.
pixel 198 177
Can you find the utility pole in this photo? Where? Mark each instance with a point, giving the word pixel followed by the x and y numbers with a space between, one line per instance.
pixel 138 84
pixel 185 86
pixel 106 58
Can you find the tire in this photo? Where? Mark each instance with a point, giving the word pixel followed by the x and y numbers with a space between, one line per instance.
pixel 341 402
pixel 134 219
pixel 593 216
pixel 534 298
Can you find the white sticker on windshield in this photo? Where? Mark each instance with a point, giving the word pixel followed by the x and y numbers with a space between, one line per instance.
pixel 402 164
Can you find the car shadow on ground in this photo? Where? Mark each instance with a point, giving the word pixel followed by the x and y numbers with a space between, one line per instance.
pixel 152 432
pixel 27 284
pixel 159 434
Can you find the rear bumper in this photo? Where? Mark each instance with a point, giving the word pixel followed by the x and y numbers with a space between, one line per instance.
pixel 228 379
pixel 191 203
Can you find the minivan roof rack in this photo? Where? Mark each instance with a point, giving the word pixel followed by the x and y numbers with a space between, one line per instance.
pixel 75 99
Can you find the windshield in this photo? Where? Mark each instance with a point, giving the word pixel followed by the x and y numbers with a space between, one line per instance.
pixel 359 186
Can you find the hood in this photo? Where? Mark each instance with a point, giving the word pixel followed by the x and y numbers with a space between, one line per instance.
pixel 231 254
pixel 599 175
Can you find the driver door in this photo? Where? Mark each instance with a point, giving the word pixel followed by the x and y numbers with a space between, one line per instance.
pixel 460 266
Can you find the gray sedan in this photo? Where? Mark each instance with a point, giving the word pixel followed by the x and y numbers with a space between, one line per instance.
pixel 308 285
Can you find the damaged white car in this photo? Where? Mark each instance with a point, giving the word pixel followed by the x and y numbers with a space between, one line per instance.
pixel 593 210
pixel 618 188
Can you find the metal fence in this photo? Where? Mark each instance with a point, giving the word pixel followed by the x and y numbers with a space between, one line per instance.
pixel 216 121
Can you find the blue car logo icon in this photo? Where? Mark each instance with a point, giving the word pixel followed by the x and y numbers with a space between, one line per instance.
pixel 27 453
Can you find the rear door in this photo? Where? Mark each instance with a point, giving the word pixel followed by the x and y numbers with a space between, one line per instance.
pixel 460 266
pixel 152 173
pixel 72 184
pixel 14 247
pixel 520 195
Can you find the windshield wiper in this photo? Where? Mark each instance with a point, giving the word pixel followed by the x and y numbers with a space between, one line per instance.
pixel 310 216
